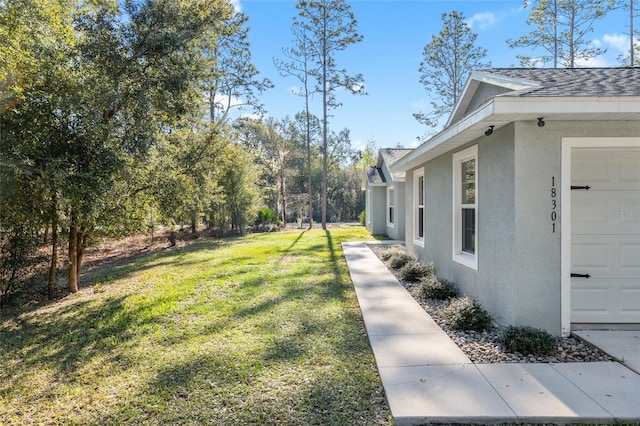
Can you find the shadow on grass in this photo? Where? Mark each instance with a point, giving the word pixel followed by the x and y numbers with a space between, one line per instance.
pixel 279 345
pixel 294 242
pixel 172 256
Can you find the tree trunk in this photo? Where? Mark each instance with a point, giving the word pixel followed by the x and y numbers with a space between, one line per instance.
pixel 194 224
pixel 73 254
pixel 282 195
pixel 83 242
pixel 632 49
pixel 324 134
pixel 53 269
pixel 310 180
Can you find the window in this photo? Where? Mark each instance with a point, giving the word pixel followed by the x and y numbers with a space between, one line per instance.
pixel 390 207
pixel 465 203
pixel 418 197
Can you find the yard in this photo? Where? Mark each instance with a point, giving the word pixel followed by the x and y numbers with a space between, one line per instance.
pixel 263 329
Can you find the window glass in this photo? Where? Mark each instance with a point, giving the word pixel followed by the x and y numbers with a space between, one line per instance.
pixel 469 182
pixel 465 207
pixel 469 230
pixel 421 207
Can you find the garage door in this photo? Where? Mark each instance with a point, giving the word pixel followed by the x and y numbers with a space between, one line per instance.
pixel 605 240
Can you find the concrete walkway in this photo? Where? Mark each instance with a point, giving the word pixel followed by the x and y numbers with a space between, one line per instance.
pixel 428 379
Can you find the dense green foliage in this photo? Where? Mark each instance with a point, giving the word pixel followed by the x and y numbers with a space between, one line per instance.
pixel 399 259
pixel 467 314
pixel 115 118
pixel 528 340
pixel 415 270
pixel 433 287
pixel 263 329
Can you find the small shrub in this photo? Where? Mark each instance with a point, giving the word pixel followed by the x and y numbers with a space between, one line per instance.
pixel 434 288
pixel 413 271
pixel 362 217
pixel 528 340
pixel 397 261
pixel 467 314
pixel 389 253
pixel 266 216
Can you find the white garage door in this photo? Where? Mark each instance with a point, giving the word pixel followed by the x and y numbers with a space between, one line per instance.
pixel 605 240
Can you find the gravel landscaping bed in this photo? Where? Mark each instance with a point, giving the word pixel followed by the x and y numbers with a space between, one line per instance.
pixel 485 347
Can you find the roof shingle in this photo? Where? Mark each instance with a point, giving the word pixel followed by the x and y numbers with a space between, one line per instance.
pixel 573 81
pixel 374 175
pixel 391 155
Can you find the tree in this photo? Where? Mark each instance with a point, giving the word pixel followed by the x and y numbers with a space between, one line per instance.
pixel 448 59
pixel 340 185
pixel 306 131
pixel 561 29
pixel 37 85
pixel 329 27
pixel 101 91
pixel 232 80
pixel 633 58
pixel 183 171
pixel 298 64
pixel 273 150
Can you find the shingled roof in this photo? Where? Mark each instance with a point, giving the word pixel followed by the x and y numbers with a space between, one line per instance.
pixel 374 175
pixel 391 155
pixel 493 98
pixel 572 82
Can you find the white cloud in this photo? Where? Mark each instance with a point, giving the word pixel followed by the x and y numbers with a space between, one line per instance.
pixel 483 20
pixel 254 116
pixel 358 144
pixel 619 42
pixel 357 87
pixel 236 6
pixel 225 101
pixel 419 105
pixel 615 44
pixel 598 62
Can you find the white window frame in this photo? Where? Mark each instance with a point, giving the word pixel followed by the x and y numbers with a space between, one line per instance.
pixel 417 175
pixel 391 208
pixel 469 260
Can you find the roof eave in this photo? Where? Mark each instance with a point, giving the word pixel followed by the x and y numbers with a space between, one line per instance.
pixel 502 110
pixel 474 81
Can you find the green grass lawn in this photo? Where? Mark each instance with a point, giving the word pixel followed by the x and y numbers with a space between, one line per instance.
pixel 263 329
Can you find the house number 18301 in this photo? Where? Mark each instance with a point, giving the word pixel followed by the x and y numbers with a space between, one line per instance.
pixel 554 204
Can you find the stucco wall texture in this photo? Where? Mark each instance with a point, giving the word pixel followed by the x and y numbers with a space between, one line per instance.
pixel 519 255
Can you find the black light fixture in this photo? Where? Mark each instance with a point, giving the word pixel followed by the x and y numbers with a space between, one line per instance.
pixel 489 131
pixel 540 122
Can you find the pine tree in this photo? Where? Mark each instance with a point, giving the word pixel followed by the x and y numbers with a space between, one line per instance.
pixel 448 59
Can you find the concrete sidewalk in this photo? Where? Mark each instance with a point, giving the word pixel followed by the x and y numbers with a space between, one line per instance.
pixel 428 379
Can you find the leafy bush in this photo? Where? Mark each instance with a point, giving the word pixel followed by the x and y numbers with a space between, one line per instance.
pixel 467 314
pixel 528 340
pixel 398 260
pixel 413 271
pixel 389 253
pixel 434 288
pixel 266 216
pixel 362 217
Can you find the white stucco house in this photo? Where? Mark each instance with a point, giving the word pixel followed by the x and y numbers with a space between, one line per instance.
pixel 385 204
pixel 529 199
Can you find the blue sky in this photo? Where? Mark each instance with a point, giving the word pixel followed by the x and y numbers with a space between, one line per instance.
pixel 395 32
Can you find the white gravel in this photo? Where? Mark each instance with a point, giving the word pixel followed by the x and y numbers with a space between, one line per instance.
pixel 485 347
